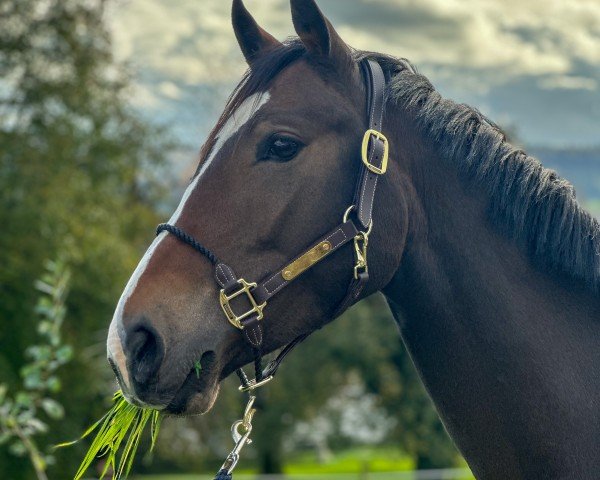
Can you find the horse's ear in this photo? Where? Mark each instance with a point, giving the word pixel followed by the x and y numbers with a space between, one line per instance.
pixel 252 38
pixel 316 32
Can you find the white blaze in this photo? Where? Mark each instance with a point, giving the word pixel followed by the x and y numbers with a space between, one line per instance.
pixel 242 115
pixel 237 120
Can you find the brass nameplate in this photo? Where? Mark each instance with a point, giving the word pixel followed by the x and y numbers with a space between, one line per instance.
pixel 314 255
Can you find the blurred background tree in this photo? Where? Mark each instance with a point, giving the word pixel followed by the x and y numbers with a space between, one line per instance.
pixel 78 173
pixel 24 414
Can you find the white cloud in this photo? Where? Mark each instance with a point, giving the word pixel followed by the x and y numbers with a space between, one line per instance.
pixel 188 40
pixel 515 36
pixel 169 90
pixel 567 82
pixel 194 42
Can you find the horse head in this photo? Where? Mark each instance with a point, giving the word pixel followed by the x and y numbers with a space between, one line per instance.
pixel 278 170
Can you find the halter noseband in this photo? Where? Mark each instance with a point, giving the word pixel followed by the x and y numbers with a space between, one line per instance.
pixel 356 226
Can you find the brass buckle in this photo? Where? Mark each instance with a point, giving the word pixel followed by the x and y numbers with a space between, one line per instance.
pixel 365 151
pixel 236 320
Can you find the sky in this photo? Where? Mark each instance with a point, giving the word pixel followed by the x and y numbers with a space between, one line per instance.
pixel 532 66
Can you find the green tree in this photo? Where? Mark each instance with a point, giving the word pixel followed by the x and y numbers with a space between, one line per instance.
pixel 78 171
pixel 23 415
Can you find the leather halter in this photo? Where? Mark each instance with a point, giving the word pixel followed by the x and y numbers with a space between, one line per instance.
pixel 355 227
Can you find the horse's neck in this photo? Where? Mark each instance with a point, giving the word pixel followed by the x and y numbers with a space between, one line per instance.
pixel 509 354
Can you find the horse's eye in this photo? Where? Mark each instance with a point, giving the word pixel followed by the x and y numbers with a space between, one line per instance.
pixel 282 148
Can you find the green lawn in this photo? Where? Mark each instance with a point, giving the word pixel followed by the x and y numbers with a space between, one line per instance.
pixel 344 476
pixel 354 464
pixel 355 460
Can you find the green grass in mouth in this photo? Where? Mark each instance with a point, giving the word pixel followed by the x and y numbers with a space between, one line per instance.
pixel 118 435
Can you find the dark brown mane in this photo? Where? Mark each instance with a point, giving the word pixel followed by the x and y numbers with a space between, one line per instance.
pixel 530 203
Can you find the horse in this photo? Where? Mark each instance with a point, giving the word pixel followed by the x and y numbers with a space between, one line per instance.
pixel 489 265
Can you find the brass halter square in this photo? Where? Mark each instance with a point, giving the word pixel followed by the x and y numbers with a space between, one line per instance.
pixel 236 320
pixel 365 151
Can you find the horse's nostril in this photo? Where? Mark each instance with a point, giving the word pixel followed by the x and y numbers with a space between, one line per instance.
pixel 145 354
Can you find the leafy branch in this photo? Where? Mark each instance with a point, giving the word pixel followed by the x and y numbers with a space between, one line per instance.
pixel 20 413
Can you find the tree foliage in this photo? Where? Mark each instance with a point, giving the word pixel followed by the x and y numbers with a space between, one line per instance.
pixel 78 174
pixel 23 414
